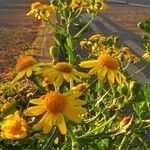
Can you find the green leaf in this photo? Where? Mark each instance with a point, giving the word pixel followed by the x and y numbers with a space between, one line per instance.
pixel 11 109
pixel 147 91
pixel 147 94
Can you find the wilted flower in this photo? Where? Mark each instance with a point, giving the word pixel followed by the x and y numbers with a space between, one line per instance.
pixel 80 87
pixel 105 65
pixel 14 127
pixel 55 107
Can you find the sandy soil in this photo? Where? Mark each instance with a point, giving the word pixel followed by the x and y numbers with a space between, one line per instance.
pixel 17 34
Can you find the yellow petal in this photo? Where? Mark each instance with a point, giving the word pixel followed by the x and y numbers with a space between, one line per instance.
pixel 61 123
pixel 66 77
pixel 28 72
pixel 34 111
pixel 71 95
pixel 111 76
pixel 19 76
pixel 88 64
pixel 74 102
pixel 36 101
pixel 59 80
pixel 49 121
pixel 41 123
pixel 51 76
pixel 102 73
pixel 94 70
pixel 35 68
pixel 72 113
pixel 80 74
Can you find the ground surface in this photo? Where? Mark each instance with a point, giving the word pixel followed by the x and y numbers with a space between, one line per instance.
pixel 17 32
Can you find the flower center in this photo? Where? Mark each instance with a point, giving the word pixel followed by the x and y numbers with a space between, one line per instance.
pixel 25 62
pixel 16 128
pixel 109 61
pixel 54 101
pixel 63 67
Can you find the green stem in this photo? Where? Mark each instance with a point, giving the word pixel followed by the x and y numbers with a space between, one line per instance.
pixel 73 137
pixel 98 128
pixel 70 51
pixel 123 141
pixel 37 82
pixel 128 64
pixel 84 27
pixel 51 139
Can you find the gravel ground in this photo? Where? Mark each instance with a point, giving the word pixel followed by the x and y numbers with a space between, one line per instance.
pixel 17 34
pixel 127 16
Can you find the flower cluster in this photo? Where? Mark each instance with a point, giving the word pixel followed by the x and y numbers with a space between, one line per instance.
pixel 73 101
pixel 40 11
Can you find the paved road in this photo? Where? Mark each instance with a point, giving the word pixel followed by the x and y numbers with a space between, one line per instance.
pixel 17 32
pixel 125 17
pixel 145 3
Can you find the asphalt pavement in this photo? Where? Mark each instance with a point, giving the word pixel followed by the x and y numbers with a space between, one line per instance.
pixel 17 32
pixel 143 3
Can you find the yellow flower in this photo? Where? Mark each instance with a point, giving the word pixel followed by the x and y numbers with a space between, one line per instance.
pixel 97 6
pixel 35 5
pixel 25 66
pixel 40 11
pixel 14 127
pixel 78 4
pixel 146 56
pixel 95 37
pixel 63 71
pixel 55 106
pixel 105 65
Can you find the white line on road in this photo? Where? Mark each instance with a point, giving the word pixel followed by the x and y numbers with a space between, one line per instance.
pixel 135 47
pixel 129 3
pixel 141 77
pixel 106 24
pixel 99 19
pixel 141 5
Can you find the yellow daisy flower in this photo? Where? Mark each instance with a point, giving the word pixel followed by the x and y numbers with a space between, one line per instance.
pixel 78 4
pixel 96 6
pixel 146 56
pixel 25 67
pixel 40 11
pixel 55 106
pixel 105 65
pixel 61 72
pixel 14 127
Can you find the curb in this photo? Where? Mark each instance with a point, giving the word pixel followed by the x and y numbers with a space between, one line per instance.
pixel 44 41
